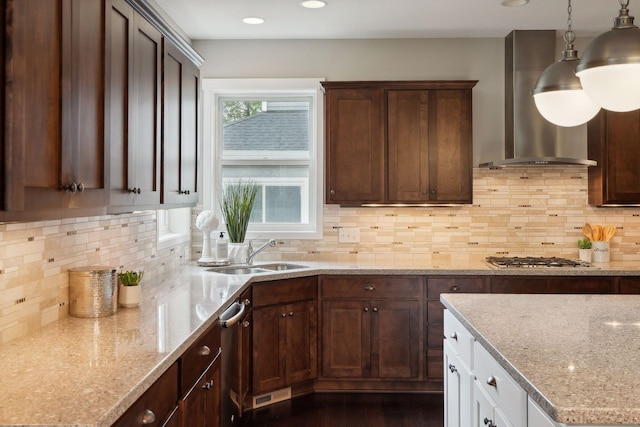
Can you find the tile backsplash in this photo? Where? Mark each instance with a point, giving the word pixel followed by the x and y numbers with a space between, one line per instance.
pixel 523 211
pixel 35 258
pixel 534 211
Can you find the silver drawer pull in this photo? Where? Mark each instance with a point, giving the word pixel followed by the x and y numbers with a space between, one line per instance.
pixel 454 288
pixel 454 336
pixel 148 417
pixel 204 351
pixel 453 368
pixel 492 381
pixel 488 422
pixel 369 288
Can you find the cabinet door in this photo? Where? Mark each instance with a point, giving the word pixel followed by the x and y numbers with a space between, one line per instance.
pixel 346 339
pixel 483 408
pixel 396 342
pixel 54 121
pixel 200 407
pixel 450 147
pixel 302 342
pixel 614 142
pixel 458 389
pixel 269 348
pixel 355 145
pixel 180 100
pixel 408 145
pixel 134 109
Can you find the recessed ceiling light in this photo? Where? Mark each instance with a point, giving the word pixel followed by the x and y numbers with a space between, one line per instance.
pixel 514 3
pixel 313 4
pixel 253 20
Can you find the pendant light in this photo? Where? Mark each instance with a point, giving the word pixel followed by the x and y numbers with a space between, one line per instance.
pixel 610 67
pixel 558 94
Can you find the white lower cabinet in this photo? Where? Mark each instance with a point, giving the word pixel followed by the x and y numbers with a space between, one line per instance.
pixel 536 417
pixel 458 389
pixel 485 411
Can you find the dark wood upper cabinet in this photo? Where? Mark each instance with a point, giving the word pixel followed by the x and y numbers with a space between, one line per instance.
pixel 355 145
pixel 429 146
pixel 180 101
pixel 54 105
pixel 614 142
pixel 399 142
pixel 135 102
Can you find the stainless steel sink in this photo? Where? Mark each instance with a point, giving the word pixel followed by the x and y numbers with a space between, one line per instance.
pixel 256 269
pixel 281 266
pixel 238 270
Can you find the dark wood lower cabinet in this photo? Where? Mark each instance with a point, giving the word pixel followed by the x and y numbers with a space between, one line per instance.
pixel 157 405
pixel 371 339
pixel 285 334
pixel 200 407
pixel 284 345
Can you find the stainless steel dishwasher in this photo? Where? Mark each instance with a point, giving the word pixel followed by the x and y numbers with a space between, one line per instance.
pixel 236 340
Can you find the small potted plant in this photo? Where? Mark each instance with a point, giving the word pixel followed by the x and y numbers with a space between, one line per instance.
pixel 129 294
pixel 584 248
pixel 236 203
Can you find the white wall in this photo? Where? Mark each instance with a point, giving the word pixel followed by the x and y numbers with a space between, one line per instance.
pixel 380 59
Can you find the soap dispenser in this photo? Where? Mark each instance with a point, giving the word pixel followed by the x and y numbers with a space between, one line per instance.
pixel 222 247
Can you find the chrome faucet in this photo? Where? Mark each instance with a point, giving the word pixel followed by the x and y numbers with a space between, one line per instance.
pixel 251 253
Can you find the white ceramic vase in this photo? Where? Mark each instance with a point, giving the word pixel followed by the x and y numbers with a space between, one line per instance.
pixel 129 296
pixel 601 251
pixel 585 255
pixel 238 253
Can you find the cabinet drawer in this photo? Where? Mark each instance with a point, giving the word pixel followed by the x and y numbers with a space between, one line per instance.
pixel 284 291
pixel 505 392
pixel 436 286
pixel 161 399
pixel 368 287
pixel 200 355
pixel 459 338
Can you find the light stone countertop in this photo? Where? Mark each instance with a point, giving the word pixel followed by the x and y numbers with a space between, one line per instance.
pixel 87 372
pixel 576 356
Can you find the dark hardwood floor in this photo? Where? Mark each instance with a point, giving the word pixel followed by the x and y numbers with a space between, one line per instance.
pixel 352 410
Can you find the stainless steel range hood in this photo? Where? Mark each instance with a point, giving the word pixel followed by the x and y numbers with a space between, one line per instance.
pixel 530 140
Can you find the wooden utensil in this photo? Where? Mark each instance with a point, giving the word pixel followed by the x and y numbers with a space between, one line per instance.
pixel 586 230
pixel 597 233
pixel 608 231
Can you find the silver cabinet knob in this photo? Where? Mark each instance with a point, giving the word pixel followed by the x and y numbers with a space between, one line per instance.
pixel 454 288
pixel 204 351
pixel 366 309
pixel 453 368
pixel 283 315
pixel 375 309
pixel 245 324
pixel 332 191
pixel 291 313
pixel 148 417
pixel 454 336
pixel 369 288
pixel 492 381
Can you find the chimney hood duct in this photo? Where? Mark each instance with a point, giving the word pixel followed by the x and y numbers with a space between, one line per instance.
pixel 531 140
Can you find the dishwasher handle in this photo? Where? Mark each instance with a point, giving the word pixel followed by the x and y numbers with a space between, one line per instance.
pixel 228 318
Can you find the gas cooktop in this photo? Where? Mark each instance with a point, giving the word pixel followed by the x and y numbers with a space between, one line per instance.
pixel 534 262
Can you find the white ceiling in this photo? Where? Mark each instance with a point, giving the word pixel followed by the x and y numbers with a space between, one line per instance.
pixel 286 19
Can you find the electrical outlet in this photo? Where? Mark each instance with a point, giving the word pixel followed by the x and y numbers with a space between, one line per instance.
pixel 348 235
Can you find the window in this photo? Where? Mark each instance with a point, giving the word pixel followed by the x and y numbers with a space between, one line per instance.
pixel 173 227
pixel 268 132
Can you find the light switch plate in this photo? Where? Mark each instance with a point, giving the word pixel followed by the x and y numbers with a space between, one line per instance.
pixel 348 235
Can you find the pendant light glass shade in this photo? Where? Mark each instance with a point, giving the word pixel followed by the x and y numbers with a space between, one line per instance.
pixel 610 66
pixel 560 98
pixel 558 94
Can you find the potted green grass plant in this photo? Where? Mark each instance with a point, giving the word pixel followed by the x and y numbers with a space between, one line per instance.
pixel 584 249
pixel 236 202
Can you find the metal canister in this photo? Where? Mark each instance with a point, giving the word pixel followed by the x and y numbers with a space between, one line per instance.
pixel 93 291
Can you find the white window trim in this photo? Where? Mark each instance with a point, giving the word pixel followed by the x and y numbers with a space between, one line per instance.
pixel 173 227
pixel 214 88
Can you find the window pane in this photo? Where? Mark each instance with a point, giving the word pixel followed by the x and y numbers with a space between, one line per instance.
pixel 265 128
pixel 283 204
pixel 283 193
